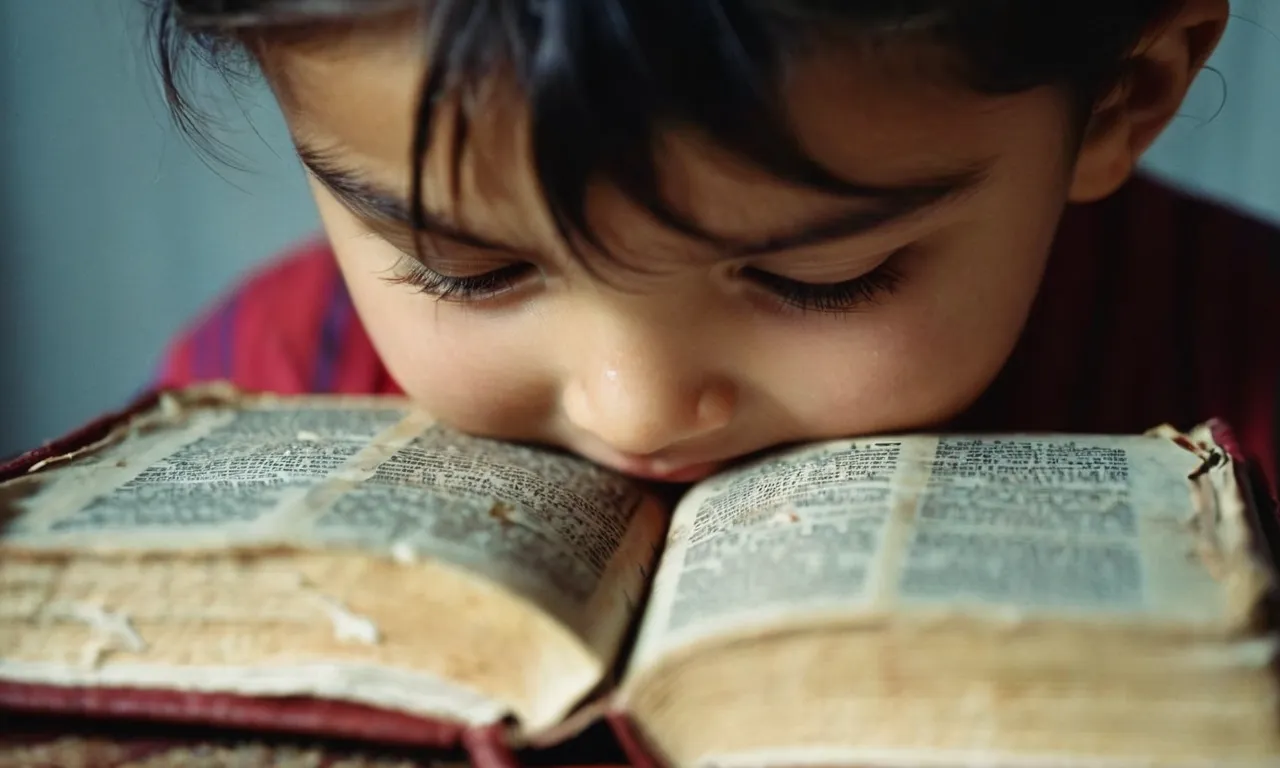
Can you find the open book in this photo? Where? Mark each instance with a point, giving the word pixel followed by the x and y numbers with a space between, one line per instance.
pixel 358 570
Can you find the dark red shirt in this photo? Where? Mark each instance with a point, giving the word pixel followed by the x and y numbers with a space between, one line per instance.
pixel 1156 307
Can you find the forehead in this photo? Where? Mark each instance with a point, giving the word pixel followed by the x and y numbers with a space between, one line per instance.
pixel 878 118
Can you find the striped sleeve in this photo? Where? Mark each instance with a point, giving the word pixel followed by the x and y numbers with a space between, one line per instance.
pixel 288 328
pixel 204 352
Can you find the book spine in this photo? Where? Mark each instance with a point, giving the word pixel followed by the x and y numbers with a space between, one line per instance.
pixel 487 746
pixel 632 742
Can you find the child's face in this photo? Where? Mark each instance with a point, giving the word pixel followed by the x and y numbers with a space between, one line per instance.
pixel 697 358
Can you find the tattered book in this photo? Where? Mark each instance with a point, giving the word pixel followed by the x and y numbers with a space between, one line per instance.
pixel 349 567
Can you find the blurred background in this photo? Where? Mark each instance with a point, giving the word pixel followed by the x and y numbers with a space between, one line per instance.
pixel 114 232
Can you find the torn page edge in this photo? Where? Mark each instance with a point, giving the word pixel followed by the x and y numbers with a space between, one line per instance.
pixel 171 408
pixel 1222 529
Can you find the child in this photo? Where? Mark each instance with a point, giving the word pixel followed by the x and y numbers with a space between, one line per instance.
pixel 665 234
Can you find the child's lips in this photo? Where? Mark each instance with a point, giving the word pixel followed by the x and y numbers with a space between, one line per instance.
pixel 665 470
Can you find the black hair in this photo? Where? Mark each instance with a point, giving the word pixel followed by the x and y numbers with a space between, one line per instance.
pixel 604 77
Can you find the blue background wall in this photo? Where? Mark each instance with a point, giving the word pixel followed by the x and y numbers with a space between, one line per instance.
pixel 113 232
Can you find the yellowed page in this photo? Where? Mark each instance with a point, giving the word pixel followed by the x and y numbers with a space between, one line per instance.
pixel 213 472
pixel 920 528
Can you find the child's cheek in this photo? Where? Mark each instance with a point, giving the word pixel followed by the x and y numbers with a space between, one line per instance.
pixel 918 360
pixel 876 377
pixel 473 371
pixel 478 373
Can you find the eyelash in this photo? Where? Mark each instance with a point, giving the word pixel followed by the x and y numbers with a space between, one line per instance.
pixel 830 298
pixel 460 289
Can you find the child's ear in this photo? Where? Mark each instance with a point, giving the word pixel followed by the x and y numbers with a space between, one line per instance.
pixel 1156 80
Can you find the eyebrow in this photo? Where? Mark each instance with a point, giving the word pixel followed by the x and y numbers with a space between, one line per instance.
pixel 884 205
pixel 372 201
pixel 887 205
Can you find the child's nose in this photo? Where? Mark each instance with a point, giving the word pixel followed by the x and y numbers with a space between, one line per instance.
pixel 641 404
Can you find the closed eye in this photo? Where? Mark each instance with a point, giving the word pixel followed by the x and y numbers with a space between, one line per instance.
pixel 461 289
pixel 833 298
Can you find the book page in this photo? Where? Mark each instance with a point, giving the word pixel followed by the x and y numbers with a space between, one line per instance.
pixel 1010 527
pixel 225 472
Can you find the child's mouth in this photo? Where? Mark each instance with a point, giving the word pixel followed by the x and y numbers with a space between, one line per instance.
pixel 665 470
